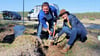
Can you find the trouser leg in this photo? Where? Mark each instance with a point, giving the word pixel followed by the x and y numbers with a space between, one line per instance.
pixel 73 36
pixel 82 35
pixel 51 27
pixel 64 30
pixel 39 30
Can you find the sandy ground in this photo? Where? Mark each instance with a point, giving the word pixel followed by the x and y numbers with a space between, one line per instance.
pixel 25 45
pixel 96 21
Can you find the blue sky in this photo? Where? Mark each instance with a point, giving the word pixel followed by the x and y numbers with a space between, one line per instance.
pixel 74 6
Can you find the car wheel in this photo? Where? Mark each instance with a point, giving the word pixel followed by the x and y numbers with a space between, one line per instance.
pixel 29 18
pixel 4 18
pixel 19 18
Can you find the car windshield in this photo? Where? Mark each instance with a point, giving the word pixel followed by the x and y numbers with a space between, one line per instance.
pixel 15 13
pixel 32 11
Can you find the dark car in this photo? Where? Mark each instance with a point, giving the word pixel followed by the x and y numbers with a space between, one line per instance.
pixel 10 15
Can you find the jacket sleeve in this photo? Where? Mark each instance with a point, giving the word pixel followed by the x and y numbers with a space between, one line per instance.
pixel 54 10
pixel 42 20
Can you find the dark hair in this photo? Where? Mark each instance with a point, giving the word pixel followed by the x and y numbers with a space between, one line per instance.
pixel 67 13
pixel 45 4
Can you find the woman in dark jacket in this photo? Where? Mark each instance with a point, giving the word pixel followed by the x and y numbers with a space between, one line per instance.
pixel 73 28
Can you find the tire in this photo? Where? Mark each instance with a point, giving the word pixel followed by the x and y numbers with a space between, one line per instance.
pixel 4 18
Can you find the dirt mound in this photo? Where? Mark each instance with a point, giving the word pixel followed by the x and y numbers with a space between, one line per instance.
pixel 22 45
pixel 28 45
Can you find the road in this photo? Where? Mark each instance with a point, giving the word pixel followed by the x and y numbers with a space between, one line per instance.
pixel 59 23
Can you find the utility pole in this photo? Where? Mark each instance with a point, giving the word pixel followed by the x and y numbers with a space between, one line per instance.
pixel 23 12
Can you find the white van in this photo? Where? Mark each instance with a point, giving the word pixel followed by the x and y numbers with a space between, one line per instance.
pixel 33 14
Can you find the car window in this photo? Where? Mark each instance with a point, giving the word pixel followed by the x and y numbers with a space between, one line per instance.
pixel 32 11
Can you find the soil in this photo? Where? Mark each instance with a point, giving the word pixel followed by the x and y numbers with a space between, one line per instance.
pixel 28 45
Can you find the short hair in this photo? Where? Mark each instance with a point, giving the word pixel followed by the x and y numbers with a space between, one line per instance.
pixel 45 4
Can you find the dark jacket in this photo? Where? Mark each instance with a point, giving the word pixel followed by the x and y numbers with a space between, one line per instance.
pixel 75 23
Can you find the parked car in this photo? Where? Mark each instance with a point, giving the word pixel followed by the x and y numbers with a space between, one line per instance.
pixel 10 15
pixel 33 14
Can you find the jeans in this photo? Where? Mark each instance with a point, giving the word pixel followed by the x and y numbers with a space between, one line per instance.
pixel 73 33
pixel 39 30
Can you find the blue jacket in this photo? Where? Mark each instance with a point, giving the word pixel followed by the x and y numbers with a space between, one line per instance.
pixel 75 23
pixel 41 16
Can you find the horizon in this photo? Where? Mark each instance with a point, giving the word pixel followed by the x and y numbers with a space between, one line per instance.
pixel 71 12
